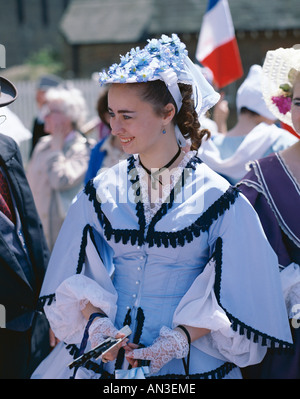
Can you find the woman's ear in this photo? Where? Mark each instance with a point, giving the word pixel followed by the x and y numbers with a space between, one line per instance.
pixel 169 113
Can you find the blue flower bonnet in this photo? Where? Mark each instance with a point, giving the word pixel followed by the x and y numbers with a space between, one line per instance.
pixel 165 59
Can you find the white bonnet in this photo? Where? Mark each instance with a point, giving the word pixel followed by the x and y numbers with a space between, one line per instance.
pixel 280 68
pixel 250 94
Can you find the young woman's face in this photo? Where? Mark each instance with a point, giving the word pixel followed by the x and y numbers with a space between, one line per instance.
pixel 295 110
pixel 133 120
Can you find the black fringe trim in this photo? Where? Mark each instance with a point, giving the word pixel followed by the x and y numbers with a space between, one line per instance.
pixel 135 237
pixel 173 239
pixel 218 373
pixel 140 318
pixel 237 325
pixel 202 224
pixel 89 365
pixel 45 300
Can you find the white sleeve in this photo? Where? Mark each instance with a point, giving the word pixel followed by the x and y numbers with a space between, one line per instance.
pixel 203 311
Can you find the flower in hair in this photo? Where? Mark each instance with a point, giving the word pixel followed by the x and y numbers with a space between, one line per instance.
pixel 283 103
pixel 284 100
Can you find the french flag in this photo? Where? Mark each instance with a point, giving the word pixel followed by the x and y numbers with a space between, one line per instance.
pixel 217 47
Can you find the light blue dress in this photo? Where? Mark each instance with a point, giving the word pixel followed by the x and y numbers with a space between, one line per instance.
pixel 199 258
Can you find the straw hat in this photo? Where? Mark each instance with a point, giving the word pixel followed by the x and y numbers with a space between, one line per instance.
pixel 280 69
pixel 8 92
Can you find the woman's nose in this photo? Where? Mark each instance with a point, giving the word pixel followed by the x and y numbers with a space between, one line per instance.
pixel 116 127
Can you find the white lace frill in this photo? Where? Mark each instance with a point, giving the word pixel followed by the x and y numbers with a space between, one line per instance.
pixel 204 312
pixel 290 280
pixel 151 209
pixel 65 316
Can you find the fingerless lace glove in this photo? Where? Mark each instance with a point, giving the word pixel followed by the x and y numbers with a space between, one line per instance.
pixel 169 345
pixel 101 329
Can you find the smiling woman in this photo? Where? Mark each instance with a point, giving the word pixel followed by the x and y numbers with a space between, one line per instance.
pixel 173 260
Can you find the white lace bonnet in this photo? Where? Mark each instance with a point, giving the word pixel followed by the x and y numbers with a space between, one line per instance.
pixel 279 72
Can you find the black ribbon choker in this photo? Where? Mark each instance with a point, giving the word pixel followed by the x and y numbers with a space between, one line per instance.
pixel 154 174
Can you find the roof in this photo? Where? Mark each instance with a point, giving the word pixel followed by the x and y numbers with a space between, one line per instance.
pixel 121 21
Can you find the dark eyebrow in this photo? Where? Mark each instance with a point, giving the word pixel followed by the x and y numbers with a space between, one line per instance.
pixel 122 111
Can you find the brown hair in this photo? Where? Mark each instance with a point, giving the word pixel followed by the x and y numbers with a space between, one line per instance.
pixel 159 96
pixel 102 107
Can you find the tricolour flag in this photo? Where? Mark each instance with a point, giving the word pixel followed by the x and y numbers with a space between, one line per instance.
pixel 217 47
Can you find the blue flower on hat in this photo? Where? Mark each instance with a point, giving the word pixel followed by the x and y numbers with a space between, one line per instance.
pixel 143 65
pixel 120 75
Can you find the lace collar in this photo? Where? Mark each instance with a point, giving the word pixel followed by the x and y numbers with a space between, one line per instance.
pixel 151 209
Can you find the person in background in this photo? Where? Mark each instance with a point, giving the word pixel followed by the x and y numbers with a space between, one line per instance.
pixel 162 243
pixel 24 332
pixel 216 122
pixel 254 136
pixel 273 187
pixel 59 161
pixel 108 151
pixel 44 84
pixel 14 127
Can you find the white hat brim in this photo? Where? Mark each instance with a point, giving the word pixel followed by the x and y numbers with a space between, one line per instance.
pixel 276 68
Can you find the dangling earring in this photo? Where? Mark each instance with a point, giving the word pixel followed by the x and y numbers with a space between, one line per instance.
pixel 164 131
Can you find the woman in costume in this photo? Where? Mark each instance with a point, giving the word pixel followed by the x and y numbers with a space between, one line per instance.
pixel 273 187
pixel 162 243
pixel 254 136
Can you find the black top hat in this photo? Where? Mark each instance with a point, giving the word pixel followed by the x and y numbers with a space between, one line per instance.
pixel 8 92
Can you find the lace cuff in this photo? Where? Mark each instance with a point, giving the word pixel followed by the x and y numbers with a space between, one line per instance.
pixel 175 343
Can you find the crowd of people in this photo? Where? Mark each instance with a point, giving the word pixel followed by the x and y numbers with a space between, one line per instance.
pixel 173 224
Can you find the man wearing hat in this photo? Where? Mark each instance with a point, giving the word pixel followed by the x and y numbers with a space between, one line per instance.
pixel 24 332
pixel 254 136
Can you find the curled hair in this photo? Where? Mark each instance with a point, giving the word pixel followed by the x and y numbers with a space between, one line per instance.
pixel 156 93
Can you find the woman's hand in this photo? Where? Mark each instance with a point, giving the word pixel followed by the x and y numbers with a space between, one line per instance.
pixel 113 353
pixel 128 349
pixel 52 339
pixel 102 328
pixel 169 345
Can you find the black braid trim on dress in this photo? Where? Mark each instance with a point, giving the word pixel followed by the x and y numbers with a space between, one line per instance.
pixel 237 325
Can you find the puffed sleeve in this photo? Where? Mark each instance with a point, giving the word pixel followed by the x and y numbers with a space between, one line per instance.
pixel 79 271
pixel 238 292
